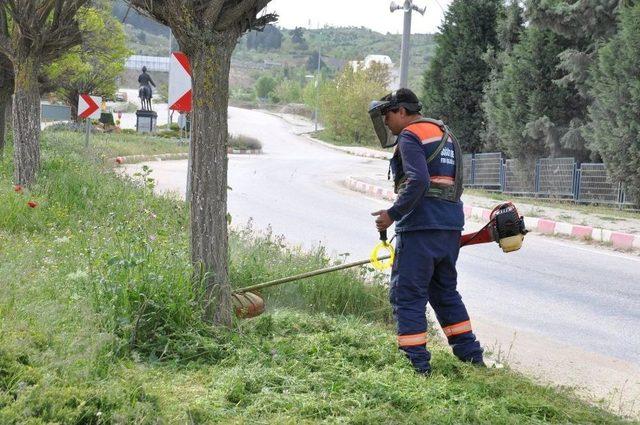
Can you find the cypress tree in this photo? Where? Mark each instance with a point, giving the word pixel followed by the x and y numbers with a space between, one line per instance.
pixel 584 24
pixel 529 112
pixel 614 130
pixel 453 84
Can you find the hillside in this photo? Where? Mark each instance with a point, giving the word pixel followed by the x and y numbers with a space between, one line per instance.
pixel 338 45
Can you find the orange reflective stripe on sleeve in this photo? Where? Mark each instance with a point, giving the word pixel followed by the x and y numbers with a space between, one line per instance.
pixel 413 339
pixel 457 328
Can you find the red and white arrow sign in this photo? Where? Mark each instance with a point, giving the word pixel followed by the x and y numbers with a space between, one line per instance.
pixel 89 106
pixel 179 83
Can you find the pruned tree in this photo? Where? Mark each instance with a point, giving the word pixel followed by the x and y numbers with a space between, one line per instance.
pixel 207 31
pixel 33 33
pixel 94 65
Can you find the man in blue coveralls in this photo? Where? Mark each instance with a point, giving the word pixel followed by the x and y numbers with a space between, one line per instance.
pixel 429 218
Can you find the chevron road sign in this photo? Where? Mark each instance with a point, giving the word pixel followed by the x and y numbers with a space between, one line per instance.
pixel 179 83
pixel 89 106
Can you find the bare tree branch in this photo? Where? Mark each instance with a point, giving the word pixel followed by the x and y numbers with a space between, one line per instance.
pixel 263 21
pixel 156 10
pixel 212 12
pixel 230 16
pixel 44 10
pixel 57 13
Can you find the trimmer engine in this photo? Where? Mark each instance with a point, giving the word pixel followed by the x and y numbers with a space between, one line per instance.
pixel 506 227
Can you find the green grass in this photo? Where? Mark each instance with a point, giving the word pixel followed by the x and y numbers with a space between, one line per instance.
pixel 327 136
pixel 100 323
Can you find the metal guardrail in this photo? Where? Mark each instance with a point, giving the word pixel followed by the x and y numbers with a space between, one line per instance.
pixel 548 178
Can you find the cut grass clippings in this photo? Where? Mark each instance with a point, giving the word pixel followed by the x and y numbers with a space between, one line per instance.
pixel 100 323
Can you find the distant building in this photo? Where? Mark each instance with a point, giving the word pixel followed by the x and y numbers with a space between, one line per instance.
pixel 394 73
pixel 371 59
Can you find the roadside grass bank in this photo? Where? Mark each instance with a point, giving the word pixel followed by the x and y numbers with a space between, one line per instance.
pixel 326 136
pixel 100 323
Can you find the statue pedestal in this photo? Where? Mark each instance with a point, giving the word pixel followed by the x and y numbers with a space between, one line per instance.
pixel 146 121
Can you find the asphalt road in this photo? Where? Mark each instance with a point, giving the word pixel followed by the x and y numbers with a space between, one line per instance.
pixel 563 311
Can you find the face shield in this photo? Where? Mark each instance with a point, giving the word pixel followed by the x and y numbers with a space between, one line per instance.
pixel 377 109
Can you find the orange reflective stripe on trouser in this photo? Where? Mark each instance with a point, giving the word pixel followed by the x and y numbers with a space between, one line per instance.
pixel 457 328
pixel 412 340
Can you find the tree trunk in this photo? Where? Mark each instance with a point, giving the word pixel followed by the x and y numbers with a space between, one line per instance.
pixel 209 238
pixel 5 98
pixel 72 101
pixel 26 121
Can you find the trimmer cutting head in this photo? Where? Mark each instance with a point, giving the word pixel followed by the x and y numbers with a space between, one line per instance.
pixel 247 305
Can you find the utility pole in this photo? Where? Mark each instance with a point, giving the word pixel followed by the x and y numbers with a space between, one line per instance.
pixel 408 8
pixel 315 115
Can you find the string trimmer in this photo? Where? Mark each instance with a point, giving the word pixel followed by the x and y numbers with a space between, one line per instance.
pixel 505 226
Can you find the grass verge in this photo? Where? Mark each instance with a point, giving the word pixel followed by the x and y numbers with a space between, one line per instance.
pixel 100 323
pixel 326 136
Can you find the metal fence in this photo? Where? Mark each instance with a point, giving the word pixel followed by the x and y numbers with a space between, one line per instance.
pixel 486 170
pixel 546 178
pixel 518 179
pixel 594 185
pixel 555 177
pixel 467 168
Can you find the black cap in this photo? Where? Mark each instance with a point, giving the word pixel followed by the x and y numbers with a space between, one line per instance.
pixel 405 98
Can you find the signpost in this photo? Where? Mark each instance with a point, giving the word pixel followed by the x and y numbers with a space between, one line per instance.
pixel 89 108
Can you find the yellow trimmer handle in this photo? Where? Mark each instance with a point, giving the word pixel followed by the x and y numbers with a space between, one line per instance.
pixel 376 261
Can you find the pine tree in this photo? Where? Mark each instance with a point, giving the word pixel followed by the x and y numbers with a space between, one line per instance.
pixel 614 130
pixel 453 84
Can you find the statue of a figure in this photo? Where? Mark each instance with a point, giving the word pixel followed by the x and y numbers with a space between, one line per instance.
pixel 145 92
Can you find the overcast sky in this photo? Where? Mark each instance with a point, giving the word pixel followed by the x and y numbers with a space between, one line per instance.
pixel 372 14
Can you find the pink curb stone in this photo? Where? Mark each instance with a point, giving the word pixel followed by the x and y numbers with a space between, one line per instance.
pixel 622 240
pixel 467 211
pixel 582 231
pixel 546 226
pixel 486 214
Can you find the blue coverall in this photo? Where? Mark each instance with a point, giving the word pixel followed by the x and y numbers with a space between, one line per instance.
pixel 427 244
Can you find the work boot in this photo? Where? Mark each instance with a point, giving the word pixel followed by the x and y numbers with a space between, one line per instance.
pixel 424 372
pixel 419 358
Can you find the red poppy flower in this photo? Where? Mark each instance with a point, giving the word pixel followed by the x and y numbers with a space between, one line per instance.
pixel 17 188
pixel 119 160
pixel 32 204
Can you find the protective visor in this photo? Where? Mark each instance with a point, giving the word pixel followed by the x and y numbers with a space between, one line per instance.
pixel 377 109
